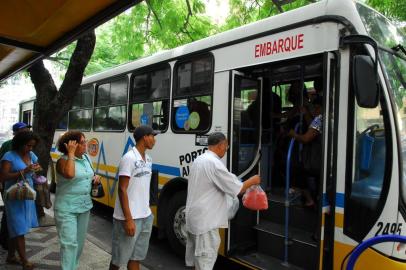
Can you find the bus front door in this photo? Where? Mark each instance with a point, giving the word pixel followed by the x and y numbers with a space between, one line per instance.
pixel 244 153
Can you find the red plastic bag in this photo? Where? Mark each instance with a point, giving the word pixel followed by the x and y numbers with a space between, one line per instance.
pixel 255 198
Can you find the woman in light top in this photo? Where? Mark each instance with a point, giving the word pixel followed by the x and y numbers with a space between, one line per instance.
pixel 72 199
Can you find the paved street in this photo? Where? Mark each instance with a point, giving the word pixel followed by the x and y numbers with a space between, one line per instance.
pixel 43 247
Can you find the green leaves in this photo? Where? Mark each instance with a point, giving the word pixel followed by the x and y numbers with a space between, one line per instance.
pixel 150 26
pixel 155 25
pixel 395 10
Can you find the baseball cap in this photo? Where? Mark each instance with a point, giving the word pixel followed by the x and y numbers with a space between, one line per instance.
pixel 142 131
pixel 20 125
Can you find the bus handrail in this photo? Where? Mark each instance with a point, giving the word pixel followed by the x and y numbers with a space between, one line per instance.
pixel 287 202
pixel 370 242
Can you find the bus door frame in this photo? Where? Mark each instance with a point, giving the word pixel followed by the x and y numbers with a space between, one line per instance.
pixel 328 174
pixel 256 160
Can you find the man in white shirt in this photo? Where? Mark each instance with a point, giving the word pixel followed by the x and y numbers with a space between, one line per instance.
pixel 132 218
pixel 206 204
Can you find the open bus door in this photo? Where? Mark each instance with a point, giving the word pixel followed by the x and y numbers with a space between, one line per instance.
pixel 244 153
pixel 288 233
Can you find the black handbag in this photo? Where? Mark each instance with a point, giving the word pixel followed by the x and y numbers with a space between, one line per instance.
pixel 97 190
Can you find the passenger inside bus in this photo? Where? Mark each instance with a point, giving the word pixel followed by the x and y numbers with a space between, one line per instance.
pixel 311 154
pixel 299 100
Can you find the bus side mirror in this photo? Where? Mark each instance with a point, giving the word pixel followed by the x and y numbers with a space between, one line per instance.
pixel 365 80
pixel 364 71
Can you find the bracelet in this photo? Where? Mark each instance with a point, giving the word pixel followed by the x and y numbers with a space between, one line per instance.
pixel 71 159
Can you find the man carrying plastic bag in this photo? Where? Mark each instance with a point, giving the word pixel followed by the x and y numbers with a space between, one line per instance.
pixel 255 198
pixel 209 184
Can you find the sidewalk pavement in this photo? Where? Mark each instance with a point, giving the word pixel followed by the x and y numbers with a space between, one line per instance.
pixel 42 247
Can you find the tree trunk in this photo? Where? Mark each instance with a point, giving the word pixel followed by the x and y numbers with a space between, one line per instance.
pixel 52 105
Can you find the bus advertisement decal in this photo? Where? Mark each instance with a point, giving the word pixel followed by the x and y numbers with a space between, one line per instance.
pixel 187 159
pixel 93 147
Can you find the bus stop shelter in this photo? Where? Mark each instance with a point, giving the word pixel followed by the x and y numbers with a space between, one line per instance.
pixel 31 30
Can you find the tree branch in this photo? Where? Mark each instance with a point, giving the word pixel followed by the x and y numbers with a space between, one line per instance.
pixel 79 60
pixel 153 12
pixel 278 6
pixel 189 14
pixel 42 80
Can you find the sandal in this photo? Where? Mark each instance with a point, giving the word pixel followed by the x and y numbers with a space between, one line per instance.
pixel 28 266
pixel 14 260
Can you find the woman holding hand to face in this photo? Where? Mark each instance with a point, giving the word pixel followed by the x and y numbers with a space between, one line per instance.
pixel 72 199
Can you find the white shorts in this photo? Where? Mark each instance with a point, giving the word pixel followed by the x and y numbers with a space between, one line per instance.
pixel 202 249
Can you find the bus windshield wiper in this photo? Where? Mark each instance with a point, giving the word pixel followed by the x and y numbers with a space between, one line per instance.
pixel 399 47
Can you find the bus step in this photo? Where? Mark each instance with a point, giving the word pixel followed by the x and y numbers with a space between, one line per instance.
pixel 303 250
pixel 266 262
pixel 300 217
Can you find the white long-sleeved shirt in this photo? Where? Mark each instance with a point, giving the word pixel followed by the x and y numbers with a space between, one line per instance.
pixel 209 182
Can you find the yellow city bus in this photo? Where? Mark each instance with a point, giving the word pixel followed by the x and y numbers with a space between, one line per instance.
pixel 238 82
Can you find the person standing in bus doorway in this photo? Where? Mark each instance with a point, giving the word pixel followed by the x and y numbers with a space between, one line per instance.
pixel 206 204
pixel 311 154
pixel 5 147
pixel 132 218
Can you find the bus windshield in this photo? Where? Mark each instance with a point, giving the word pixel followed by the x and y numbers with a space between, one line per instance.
pixel 380 28
pixel 395 69
pixel 394 64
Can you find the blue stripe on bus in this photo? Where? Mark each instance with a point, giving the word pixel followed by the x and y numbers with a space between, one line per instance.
pixel 340 200
pixel 325 200
pixel 166 169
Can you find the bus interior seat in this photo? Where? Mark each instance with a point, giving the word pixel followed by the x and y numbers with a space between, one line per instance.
pixel 372 165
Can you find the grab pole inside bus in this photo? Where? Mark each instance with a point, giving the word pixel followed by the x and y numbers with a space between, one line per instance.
pixel 287 200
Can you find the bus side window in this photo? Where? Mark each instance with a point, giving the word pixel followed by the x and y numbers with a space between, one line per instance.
pixel 149 98
pixel 80 117
pixel 63 124
pixel 367 190
pixel 110 106
pixel 192 95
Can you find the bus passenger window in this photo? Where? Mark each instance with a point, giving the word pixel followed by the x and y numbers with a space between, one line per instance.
pixel 149 98
pixel 80 116
pixel 80 120
pixel 63 124
pixel 367 190
pixel 110 106
pixel 192 97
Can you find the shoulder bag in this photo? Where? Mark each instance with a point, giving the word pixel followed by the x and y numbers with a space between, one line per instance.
pixel 20 190
pixel 97 190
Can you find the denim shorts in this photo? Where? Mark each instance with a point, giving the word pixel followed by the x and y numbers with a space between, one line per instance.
pixel 131 248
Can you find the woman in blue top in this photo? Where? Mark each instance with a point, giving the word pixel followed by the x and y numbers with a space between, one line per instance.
pixel 72 198
pixel 21 214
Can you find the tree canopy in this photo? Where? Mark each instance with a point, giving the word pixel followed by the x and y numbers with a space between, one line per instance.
pixel 395 10
pixel 155 25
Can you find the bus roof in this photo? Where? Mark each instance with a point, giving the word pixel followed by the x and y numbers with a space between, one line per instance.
pixel 339 8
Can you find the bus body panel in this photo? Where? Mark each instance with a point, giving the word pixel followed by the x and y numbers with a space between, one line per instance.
pixel 285 45
pixel 262 43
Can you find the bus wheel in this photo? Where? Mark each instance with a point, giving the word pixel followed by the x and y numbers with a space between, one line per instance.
pixel 176 223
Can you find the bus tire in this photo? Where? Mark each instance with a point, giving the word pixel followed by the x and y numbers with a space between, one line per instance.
pixel 176 223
